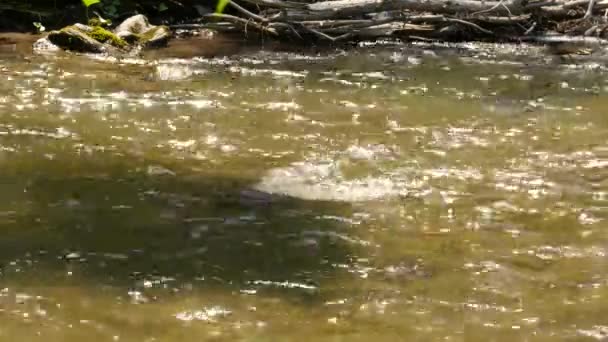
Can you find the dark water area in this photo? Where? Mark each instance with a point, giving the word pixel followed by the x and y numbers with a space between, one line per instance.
pixel 384 192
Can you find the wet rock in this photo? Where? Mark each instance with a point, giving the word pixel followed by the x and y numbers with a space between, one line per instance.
pixel 137 24
pixel 157 37
pixel 44 45
pixel 138 29
pixel 129 37
pixel 74 39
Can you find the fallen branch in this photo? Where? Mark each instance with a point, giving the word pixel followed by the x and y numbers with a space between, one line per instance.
pixel 246 12
pixel 589 10
pixel 388 29
pixel 566 9
pixel 326 36
pixel 591 30
pixel 347 7
pixel 338 20
pixel 277 3
pixel 503 20
pixel 244 22
pixel 468 23
pixel 562 39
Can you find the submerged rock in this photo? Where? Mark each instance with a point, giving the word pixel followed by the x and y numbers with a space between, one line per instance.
pixel 129 37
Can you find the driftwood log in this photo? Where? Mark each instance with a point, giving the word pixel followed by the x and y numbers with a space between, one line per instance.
pixel 581 22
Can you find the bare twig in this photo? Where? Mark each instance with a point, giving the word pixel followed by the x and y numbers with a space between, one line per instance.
pixel 468 23
pixel 277 3
pixel 574 3
pixel 489 9
pixel 506 8
pixel 320 34
pixel 334 23
pixel 542 3
pixel 381 29
pixel 423 39
pixel 292 29
pixel 243 22
pixel 591 30
pixel 188 26
pixel 247 12
pixel 589 10
pixel 287 27
pixel 503 20
pixel 326 36
pixel 530 29
pixel 564 9
pixel 577 3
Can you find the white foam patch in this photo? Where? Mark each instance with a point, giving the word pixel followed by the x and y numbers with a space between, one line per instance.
pixel 211 314
pixel 176 72
pixel 324 182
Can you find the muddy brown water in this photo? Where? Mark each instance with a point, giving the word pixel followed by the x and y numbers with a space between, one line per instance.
pixel 384 193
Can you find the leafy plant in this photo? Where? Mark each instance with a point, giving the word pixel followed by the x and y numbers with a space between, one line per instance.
pixel 88 3
pixel 221 5
pixel 109 7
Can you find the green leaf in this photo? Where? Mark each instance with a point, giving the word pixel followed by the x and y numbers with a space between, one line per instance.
pixel 221 4
pixel 88 3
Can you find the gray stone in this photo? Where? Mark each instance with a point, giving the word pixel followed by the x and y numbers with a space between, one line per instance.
pixel 129 38
pixel 157 36
pixel 73 39
pixel 137 24
pixel 138 29
pixel 44 45
pixel 83 27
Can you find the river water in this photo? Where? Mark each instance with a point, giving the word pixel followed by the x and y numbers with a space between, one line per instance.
pixel 383 193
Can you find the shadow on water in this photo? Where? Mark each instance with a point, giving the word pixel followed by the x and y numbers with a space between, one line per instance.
pixel 127 223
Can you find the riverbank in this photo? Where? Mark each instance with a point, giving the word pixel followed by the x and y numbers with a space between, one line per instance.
pixel 551 22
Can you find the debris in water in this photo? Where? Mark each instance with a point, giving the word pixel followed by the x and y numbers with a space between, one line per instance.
pixel 207 315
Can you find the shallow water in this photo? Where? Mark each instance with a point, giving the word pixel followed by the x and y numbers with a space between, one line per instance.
pixel 387 193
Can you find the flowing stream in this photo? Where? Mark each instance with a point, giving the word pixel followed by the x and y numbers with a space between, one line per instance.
pixel 382 193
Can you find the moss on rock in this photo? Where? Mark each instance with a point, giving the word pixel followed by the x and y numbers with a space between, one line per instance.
pixel 94 37
pixel 74 39
pixel 102 35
